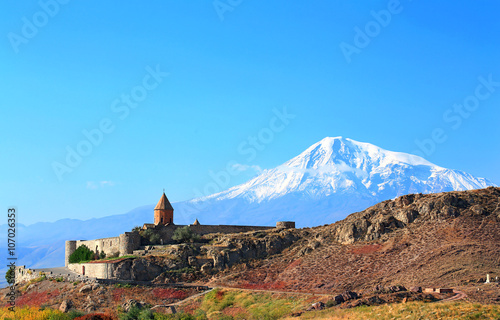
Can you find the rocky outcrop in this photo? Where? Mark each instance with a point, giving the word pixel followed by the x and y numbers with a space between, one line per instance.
pixel 388 216
pixel 141 269
pixel 65 305
pixel 252 245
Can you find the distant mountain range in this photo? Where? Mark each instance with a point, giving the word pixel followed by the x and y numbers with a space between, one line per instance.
pixel 329 180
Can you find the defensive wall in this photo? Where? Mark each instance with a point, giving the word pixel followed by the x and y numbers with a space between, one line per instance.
pixel 122 245
pixel 166 232
pixel 127 242
pixel 23 274
pixel 94 270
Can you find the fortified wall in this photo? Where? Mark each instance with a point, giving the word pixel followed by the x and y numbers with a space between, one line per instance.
pixel 122 245
pixel 23 274
pixel 127 242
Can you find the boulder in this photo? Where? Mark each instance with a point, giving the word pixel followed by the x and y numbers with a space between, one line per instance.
pixel 339 299
pixel 192 261
pixel 206 268
pixel 132 303
pixel 416 289
pixel 349 295
pixel 375 300
pixel 65 305
pixel 86 288
pixel 318 305
pixel 396 289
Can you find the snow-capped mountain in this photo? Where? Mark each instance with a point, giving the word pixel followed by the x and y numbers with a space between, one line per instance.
pixel 332 178
pixel 325 183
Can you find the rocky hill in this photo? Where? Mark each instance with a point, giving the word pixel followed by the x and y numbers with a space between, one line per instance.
pixel 435 240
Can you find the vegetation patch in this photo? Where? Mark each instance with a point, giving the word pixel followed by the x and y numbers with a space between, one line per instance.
pixel 185 234
pixel 82 253
pixel 36 299
pixel 34 313
pixel 169 293
pixel 410 310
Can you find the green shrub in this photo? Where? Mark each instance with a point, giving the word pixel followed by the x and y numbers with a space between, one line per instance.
pixel 102 255
pixel 185 234
pixel 75 314
pixel 10 275
pixel 154 239
pixel 132 314
pixel 150 236
pixel 83 253
pixel 331 303
pixel 145 315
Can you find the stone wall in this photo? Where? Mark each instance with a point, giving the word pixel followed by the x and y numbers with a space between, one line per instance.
pixel 129 241
pixel 166 232
pixel 110 246
pixel 285 224
pixel 93 270
pixel 24 274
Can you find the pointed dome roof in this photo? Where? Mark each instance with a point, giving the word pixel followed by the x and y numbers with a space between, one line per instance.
pixel 164 204
pixel 196 222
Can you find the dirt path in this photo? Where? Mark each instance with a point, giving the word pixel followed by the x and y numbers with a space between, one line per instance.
pixel 459 295
pixel 277 291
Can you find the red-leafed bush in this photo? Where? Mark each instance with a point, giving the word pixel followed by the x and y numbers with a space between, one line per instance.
pixel 168 293
pixel 118 294
pixel 34 299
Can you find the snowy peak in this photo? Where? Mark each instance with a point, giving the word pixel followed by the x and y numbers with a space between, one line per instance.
pixel 339 150
pixel 337 166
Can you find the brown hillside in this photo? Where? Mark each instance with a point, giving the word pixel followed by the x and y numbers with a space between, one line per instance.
pixel 436 240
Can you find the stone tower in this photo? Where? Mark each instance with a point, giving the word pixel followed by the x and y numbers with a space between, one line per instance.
pixel 70 248
pixel 164 212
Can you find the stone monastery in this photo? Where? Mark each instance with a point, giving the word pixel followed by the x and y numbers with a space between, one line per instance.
pixel 164 226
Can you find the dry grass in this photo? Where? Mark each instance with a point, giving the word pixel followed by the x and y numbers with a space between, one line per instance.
pixel 412 310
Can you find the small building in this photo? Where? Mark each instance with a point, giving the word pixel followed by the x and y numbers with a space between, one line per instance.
pixel 438 290
pixel 164 212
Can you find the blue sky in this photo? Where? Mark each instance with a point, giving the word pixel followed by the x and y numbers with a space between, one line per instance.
pixel 177 90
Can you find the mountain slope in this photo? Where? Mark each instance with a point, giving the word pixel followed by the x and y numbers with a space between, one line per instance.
pixel 447 239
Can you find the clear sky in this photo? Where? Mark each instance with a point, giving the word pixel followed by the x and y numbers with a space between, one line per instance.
pixel 105 103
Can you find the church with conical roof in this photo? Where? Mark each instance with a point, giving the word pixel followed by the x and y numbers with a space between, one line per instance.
pixel 164 212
